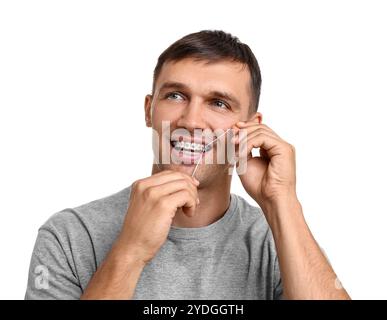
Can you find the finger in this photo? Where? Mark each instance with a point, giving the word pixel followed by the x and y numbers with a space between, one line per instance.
pixel 263 154
pixel 265 126
pixel 161 190
pixel 249 124
pixel 251 131
pixel 246 130
pixel 263 131
pixel 163 177
pixel 245 124
pixel 253 126
pixel 167 175
pixel 181 199
pixel 261 140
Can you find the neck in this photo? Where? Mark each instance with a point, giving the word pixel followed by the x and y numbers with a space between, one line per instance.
pixel 214 202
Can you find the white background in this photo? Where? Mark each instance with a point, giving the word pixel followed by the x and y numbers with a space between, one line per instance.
pixel 73 76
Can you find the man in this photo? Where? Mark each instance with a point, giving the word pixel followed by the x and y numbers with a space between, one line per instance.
pixel 180 234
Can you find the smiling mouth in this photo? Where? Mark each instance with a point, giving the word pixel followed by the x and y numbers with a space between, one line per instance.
pixel 192 147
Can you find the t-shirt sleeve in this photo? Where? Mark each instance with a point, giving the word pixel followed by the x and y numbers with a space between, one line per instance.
pixel 51 275
pixel 278 290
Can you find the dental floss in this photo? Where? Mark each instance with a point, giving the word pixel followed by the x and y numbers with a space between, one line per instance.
pixel 205 147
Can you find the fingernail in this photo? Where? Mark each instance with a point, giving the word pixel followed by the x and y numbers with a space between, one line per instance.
pixel 196 181
pixel 197 201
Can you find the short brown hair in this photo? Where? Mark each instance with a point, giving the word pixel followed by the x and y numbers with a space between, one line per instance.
pixel 213 46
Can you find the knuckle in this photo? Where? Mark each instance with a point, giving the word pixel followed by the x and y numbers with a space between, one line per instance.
pixel 266 127
pixel 260 133
pixel 149 193
pixel 137 185
pixel 141 184
pixel 291 148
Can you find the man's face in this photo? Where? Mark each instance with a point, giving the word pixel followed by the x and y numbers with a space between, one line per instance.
pixel 195 96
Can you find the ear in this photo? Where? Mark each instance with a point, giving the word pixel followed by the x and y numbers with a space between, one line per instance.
pixel 256 117
pixel 148 110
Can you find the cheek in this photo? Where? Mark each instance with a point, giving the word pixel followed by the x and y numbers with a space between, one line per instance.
pixel 163 119
pixel 216 122
pixel 162 112
pixel 165 123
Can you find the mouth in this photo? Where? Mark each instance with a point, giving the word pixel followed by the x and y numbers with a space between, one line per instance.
pixel 192 147
pixel 188 152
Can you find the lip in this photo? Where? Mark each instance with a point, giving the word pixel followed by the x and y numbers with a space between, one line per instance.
pixel 188 157
pixel 201 140
pixel 184 157
pixel 198 140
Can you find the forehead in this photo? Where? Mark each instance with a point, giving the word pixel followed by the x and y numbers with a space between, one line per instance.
pixel 201 76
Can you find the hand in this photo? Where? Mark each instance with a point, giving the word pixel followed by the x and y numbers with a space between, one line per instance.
pixel 153 204
pixel 271 176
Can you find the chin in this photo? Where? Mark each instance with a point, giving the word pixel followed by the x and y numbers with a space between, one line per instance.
pixel 187 169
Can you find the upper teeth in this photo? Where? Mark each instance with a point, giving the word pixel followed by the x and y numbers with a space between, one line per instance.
pixel 188 146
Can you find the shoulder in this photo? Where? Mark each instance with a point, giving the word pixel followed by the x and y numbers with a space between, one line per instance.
pixel 260 240
pixel 250 214
pixel 93 219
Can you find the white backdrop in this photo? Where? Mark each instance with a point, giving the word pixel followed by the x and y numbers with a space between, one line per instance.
pixel 73 76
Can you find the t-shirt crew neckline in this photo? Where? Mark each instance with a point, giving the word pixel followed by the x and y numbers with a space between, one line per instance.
pixel 203 232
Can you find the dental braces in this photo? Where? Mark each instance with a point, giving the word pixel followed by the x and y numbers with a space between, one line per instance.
pixel 190 146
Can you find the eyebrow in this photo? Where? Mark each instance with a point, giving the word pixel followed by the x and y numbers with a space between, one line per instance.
pixel 173 85
pixel 219 94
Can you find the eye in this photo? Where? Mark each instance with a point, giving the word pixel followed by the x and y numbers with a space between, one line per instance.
pixel 220 104
pixel 174 96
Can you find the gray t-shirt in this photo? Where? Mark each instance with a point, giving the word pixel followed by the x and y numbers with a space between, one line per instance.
pixel 232 258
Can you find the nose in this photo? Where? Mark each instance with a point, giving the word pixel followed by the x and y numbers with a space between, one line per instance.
pixel 192 116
